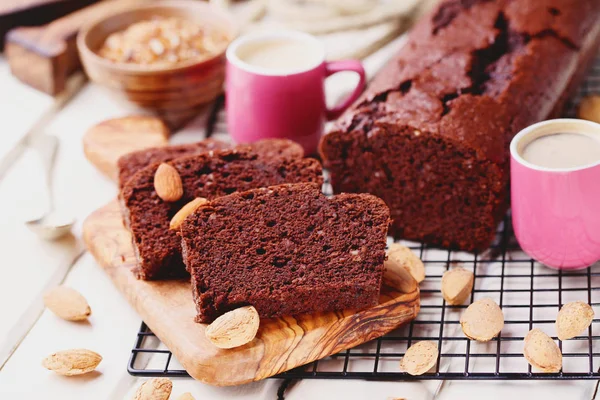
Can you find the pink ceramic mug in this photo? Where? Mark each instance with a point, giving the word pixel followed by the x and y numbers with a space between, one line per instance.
pixel 282 102
pixel 556 212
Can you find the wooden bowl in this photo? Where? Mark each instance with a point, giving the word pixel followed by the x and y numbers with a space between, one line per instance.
pixel 175 93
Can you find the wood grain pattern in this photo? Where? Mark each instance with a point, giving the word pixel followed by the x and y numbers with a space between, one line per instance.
pixel 45 56
pixel 281 344
pixel 106 142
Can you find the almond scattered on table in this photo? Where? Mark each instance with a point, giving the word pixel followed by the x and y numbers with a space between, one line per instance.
pixel 457 285
pixel 67 303
pixel 234 328
pixel 482 320
pixel 167 183
pixel 186 396
pixel 573 318
pixel 402 265
pixel 419 358
pixel 72 362
pixel 589 108
pixel 185 211
pixel 154 389
pixel 542 352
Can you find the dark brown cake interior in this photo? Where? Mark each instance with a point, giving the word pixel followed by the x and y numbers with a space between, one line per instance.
pixel 430 135
pixel 130 163
pixel 205 175
pixel 286 250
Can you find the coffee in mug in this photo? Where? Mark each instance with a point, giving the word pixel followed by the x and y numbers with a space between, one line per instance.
pixel 275 87
pixel 563 150
pixel 279 54
pixel 555 192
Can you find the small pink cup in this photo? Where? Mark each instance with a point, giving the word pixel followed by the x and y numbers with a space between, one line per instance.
pixel 556 212
pixel 286 103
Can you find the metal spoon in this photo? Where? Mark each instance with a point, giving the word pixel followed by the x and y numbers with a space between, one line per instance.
pixel 52 225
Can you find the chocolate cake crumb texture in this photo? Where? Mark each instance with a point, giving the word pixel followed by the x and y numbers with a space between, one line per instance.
pixel 286 250
pixel 431 134
pixel 206 175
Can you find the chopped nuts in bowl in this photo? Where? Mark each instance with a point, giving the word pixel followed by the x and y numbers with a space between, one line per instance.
pixel 167 56
pixel 163 41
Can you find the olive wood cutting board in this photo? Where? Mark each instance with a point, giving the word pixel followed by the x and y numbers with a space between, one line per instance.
pixel 280 345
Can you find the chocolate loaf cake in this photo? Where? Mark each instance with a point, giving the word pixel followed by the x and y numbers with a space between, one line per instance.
pixel 430 136
pixel 286 250
pixel 206 175
pixel 130 163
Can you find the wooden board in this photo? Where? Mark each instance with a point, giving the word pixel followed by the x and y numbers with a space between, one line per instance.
pixel 44 57
pixel 281 344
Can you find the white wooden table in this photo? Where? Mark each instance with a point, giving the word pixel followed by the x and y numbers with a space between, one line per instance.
pixel 29 265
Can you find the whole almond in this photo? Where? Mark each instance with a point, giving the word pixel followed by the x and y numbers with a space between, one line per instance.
pixel 482 320
pixel 573 318
pixel 400 265
pixel 457 285
pixel 234 329
pixel 72 362
pixel 185 211
pixel 399 278
pixel 419 358
pixel 186 396
pixel 154 389
pixel 542 352
pixel 589 108
pixel 167 183
pixel 67 303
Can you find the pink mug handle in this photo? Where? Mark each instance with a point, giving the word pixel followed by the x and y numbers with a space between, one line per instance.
pixel 346 65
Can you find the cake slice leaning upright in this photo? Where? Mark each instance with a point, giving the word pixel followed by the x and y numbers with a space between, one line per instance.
pixel 208 175
pixel 286 250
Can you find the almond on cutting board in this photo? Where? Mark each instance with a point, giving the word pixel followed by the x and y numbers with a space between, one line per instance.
pixel 419 358
pixel 457 284
pixel 400 266
pixel 167 183
pixel 482 320
pixel 154 389
pixel 72 362
pixel 542 352
pixel 234 328
pixel 573 318
pixel 67 303
pixel 186 210
pixel 589 108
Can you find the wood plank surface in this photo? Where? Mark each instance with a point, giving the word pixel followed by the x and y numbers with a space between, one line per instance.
pixel 281 344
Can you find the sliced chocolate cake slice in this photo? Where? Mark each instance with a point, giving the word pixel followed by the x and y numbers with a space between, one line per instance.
pixel 286 250
pixel 207 175
pixel 130 163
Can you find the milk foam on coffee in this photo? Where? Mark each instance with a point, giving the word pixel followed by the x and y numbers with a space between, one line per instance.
pixel 280 54
pixel 563 150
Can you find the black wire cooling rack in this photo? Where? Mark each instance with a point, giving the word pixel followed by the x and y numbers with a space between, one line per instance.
pixel 529 293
